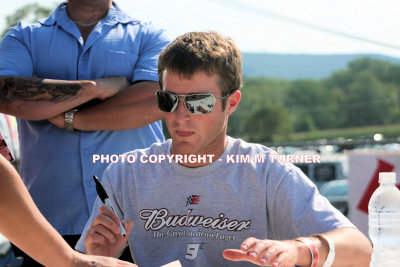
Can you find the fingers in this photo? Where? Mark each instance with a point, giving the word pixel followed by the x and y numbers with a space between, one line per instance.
pixel 104 236
pixel 234 255
pixel 125 82
pixel 281 258
pixel 264 252
pixel 128 225
pixel 107 219
pixel 238 255
pixel 108 87
pixel 270 256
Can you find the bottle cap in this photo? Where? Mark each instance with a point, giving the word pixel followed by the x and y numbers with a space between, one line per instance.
pixel 387 177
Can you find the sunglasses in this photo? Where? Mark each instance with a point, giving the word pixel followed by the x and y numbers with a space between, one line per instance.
pixel 197 104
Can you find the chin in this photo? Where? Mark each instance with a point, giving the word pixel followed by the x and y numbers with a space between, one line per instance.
pixel 183 148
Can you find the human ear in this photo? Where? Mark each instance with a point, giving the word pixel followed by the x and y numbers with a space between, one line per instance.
pixel 233 101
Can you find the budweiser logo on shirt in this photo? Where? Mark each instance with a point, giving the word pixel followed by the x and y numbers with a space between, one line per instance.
pixel 156 219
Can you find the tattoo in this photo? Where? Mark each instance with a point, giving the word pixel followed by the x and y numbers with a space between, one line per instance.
pixel 33 89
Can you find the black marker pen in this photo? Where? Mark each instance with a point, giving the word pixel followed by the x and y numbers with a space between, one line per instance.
pixel 106 200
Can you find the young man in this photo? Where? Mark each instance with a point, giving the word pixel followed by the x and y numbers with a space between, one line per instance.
pixel 189 202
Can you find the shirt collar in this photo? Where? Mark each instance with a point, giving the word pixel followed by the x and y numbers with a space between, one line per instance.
pixel 115 15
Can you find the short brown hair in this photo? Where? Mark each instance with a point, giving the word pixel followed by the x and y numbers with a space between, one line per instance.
pixel 204 51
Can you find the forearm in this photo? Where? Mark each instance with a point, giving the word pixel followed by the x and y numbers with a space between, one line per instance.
pixel 352 248
pixel 37 99
pixel 132 107
pixel 23 224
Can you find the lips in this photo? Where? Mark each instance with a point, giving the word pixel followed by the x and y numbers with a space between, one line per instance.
pixel 184 133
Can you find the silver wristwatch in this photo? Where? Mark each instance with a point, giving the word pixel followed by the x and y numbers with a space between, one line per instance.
pixel 69 120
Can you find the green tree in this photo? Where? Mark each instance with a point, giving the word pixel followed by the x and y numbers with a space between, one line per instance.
pixel 304 123
pixel 366 93
pixel 29 13
pixel 256 93
pixel 367 102
pixel 266 123
pixel 310 106
pixel 382 70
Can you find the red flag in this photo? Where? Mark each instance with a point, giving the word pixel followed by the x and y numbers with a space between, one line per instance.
pixel 383 166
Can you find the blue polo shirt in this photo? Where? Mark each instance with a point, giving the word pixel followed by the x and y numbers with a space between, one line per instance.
pixel 56 165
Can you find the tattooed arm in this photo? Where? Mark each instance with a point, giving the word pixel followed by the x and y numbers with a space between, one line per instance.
pixel 133 107
pixel 38 99
pixel 35 89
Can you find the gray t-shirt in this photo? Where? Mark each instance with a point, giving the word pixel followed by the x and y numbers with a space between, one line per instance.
pixel 193 214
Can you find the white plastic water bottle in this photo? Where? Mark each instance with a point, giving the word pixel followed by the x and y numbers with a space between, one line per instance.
pixel 384 222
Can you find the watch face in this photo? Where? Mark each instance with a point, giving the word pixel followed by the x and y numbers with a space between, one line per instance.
pixel 69 120
pixel 4 149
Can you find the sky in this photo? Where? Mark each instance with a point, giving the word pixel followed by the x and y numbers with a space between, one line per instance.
pixel 272 26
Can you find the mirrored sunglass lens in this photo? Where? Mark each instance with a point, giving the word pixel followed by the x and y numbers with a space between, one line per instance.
pixel 200 104
pixel 166 101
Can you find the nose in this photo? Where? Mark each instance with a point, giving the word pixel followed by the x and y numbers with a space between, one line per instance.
pixel 181 113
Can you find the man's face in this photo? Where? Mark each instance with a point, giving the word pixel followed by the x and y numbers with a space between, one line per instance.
pixel 197 134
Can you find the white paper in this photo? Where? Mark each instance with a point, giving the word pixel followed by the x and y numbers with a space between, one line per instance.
pixel 173 264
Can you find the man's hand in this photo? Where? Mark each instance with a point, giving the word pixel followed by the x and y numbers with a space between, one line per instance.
pixel 58 120
pixel 107 87
pixel 101 88
pixel 82 260
pixel 104 236
pixel 265 252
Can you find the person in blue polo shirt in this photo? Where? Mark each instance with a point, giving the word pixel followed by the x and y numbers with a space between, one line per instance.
pixel 81 82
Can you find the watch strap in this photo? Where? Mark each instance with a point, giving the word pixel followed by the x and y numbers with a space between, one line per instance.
pixel 69 120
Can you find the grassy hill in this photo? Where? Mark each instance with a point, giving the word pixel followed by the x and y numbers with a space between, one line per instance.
pixel 388 131
pixel 302 66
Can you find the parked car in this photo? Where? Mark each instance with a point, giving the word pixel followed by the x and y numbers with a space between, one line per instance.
pixel 337 192
pixel 321 173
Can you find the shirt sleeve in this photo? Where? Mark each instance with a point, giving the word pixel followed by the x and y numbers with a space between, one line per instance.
pixel 15 57
pixel 80 245
pixel 154 41
pixel 297 209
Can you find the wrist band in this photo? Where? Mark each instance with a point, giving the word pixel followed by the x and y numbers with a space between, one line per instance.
pixel 313 249
pixel 331 255
pixel 4 149
pixel 69 120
